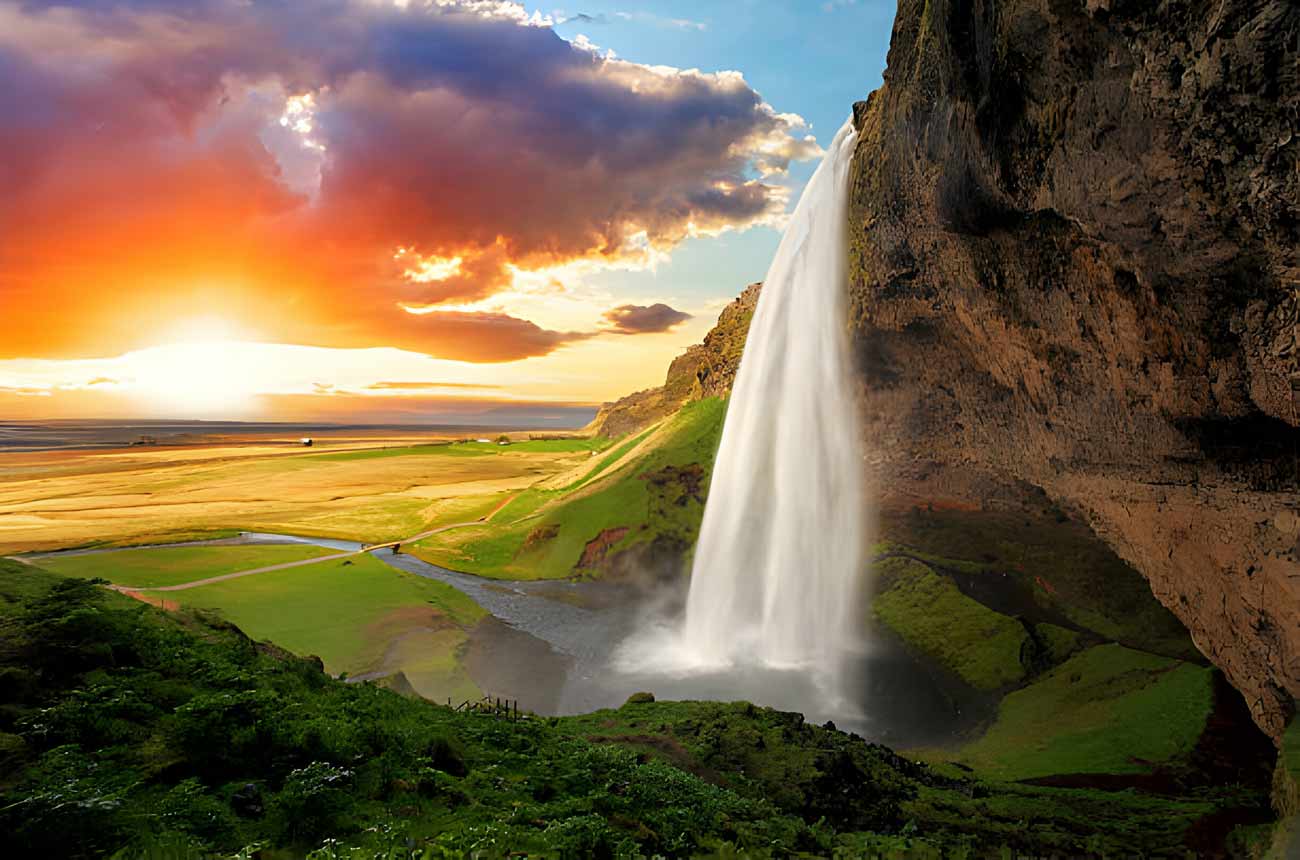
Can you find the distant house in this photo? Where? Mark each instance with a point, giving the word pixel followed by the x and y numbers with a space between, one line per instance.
pixel 306 441
pixel 484 441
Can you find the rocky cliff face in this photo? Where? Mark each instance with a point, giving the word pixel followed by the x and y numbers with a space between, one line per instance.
pixel 705 370
pixel 1075 246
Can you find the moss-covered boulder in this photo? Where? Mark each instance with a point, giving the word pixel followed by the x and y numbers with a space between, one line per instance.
pixel 930 613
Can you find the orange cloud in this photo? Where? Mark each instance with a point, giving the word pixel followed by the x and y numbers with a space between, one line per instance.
pixel 163 162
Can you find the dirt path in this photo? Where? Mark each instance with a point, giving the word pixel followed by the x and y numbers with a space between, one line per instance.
pixel 290 564
pixel 211 579
pixel 422 535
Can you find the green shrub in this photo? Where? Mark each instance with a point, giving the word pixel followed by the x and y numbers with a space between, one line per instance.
pixel 315 799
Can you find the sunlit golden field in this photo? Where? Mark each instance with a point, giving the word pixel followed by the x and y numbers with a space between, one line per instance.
pixel 367 490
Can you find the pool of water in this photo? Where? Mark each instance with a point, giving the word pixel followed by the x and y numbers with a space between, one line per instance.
pixel 892 696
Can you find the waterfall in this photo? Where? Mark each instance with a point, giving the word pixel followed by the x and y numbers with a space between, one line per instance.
pixel 781 545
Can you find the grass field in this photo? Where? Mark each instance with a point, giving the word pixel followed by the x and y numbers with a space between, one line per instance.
pixel 162 566
pixel 358 615
pixel 373 493
pixel 648 487
pixel 472 449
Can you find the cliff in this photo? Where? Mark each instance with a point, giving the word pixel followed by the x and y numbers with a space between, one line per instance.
pixel 1074 236
pixel 705 370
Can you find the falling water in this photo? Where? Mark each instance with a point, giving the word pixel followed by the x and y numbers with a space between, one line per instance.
pixel 781 545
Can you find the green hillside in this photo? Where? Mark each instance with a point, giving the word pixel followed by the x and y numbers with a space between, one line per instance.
pixel 643 494
pixel 131 732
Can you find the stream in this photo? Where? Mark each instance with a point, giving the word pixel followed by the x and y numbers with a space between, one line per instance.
pixel 553 645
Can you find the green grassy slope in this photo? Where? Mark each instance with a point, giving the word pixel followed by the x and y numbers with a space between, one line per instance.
pixel 173 735
pixel 358 615
pixel 1107 710
pixel 1051 562
pixel 931 614
pixel 620 503
pixel 162 566
pixel 1069 701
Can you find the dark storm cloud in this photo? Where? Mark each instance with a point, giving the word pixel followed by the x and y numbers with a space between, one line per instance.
pixel 644 319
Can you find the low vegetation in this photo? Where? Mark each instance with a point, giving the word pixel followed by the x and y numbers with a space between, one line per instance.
pixel 1051 565
pixel 1069 704
pixel 156 567
pixel 472 449
pixel 130 730
pixel 372 494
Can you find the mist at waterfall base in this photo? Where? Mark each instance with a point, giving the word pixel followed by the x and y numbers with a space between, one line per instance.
pixel 774 612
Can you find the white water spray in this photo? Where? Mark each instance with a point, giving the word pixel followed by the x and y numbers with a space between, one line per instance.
pixel 781 546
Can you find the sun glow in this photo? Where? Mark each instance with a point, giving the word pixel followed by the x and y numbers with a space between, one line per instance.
pixel 204 370
pixel 202 380
pixel 425 270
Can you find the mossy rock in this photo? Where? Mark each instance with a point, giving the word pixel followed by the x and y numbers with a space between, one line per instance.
pixel 930 613
pixel 1057 563
pixel 1058 643
pixel 1286 776
pixel 1108 709
pixel 11 746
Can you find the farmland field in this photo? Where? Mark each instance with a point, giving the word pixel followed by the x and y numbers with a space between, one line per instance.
pixel 358 490
pixel 361 616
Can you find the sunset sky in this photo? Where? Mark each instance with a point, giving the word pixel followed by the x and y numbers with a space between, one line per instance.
pixel 386 210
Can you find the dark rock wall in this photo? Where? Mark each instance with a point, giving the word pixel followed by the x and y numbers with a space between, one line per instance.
pixel 1075 247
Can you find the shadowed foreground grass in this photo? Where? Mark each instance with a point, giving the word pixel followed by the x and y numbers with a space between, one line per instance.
pixel 130 730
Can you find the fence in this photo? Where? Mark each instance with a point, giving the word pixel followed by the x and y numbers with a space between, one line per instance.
pixel 492 706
